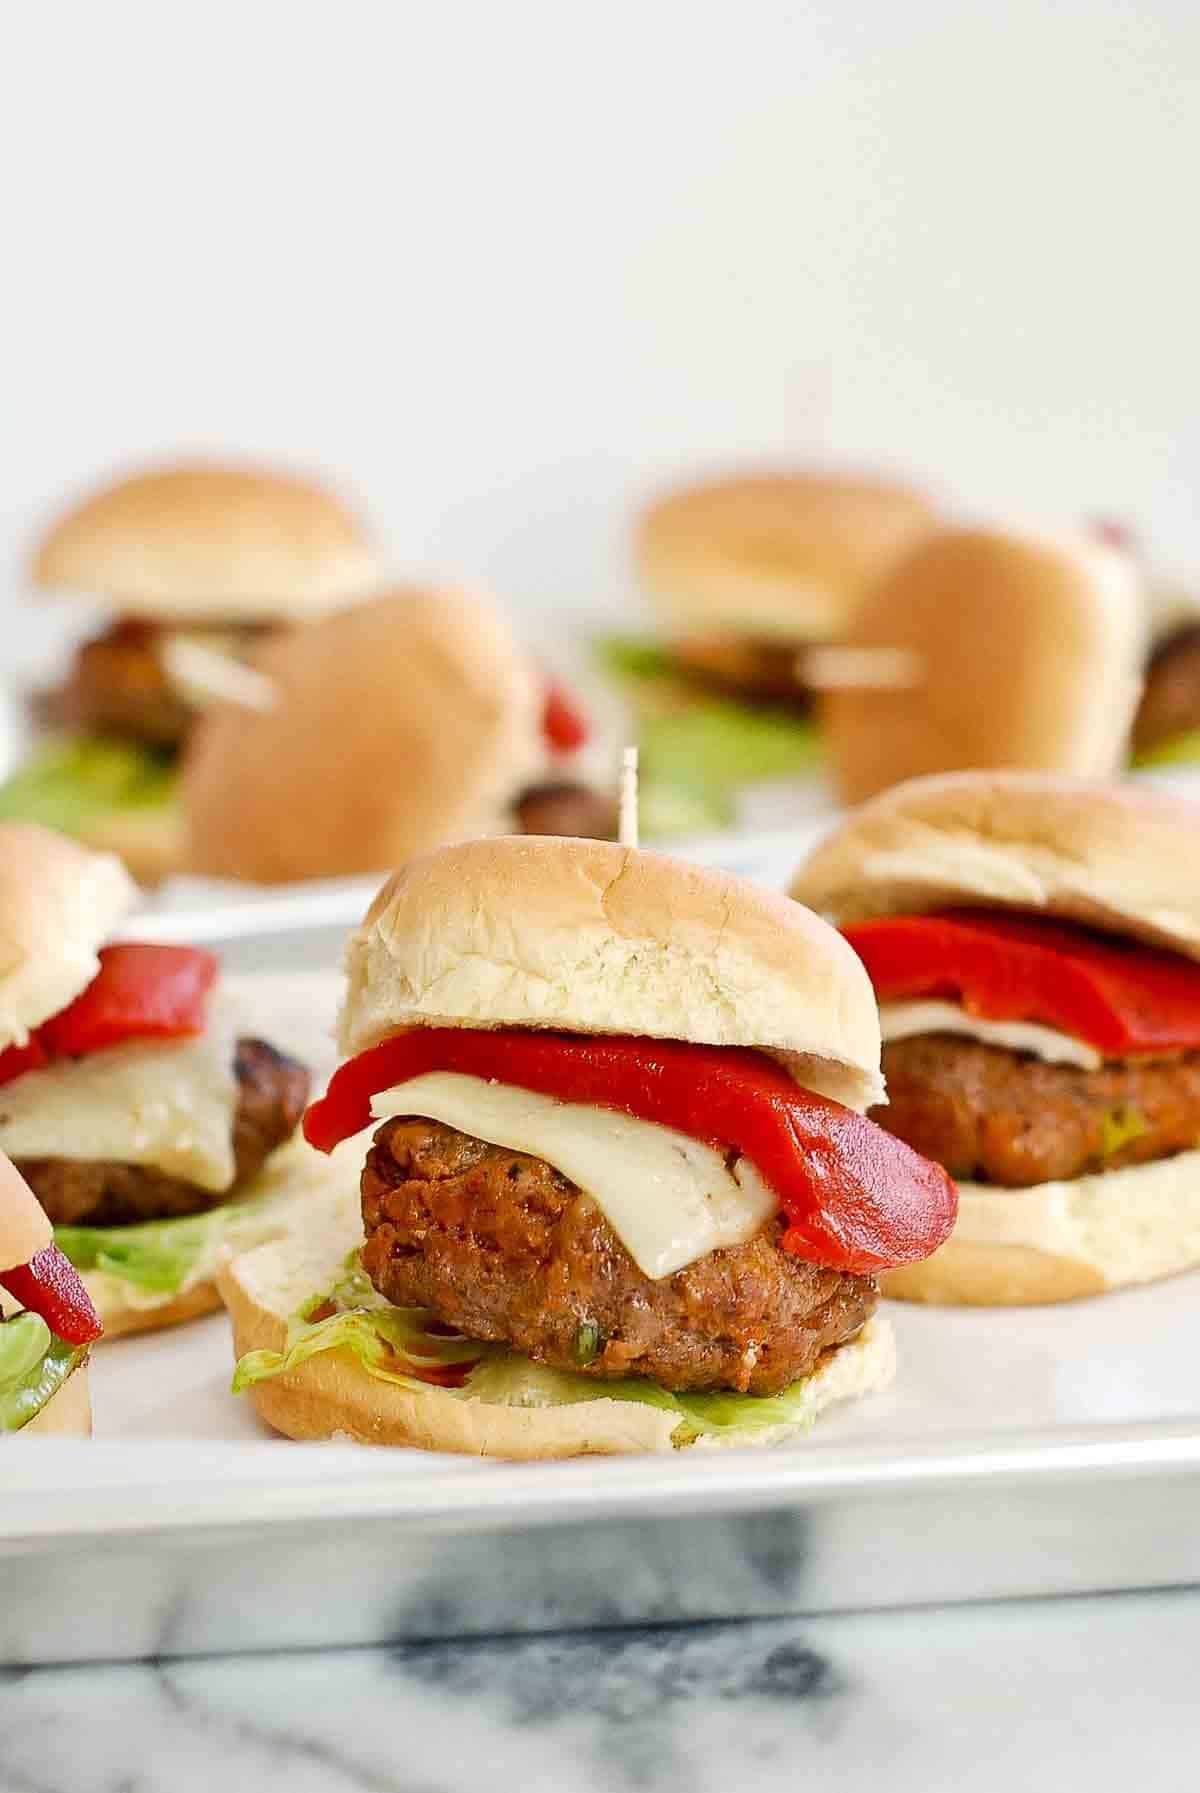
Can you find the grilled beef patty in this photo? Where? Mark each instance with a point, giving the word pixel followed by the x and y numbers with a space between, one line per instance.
pixel 503 1247
pixel 272 1092
pixel 119 685
pixel 995 1116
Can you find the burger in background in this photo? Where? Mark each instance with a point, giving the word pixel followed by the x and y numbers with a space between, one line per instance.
pixel 745 573
pixel 1018 649
pixel 47 1322
pixel 1033 943
pixel 1166 727
pixel 620 1195
pixel 400 723
pixel 140 1115
pixel 220 557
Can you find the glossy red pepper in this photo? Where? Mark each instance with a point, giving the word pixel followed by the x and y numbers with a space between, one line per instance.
pixel 51 1286
pixel 855 1197
pixel 139 993
pixel 1120 997
pixel 564 723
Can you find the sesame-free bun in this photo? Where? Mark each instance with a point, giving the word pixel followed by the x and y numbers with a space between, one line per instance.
pixel 596 938
pixel 1109 856
pixel 332 1396
pixel 1060 1241
pixel 774 555
pixel 68 1414
pixel 24 1228
pixel 199 542
pixel 59 902
pixel 124 1308
pixel 398 724
pixel 1026 651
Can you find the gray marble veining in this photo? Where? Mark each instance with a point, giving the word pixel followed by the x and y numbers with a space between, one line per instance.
pixel 1075 1694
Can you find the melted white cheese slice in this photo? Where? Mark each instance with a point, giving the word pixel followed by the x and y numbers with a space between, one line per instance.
pixel 170 1105
pixel 669 1199
pixel 901 1020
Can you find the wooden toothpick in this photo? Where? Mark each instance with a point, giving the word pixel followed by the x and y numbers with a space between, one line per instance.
pixel 627 822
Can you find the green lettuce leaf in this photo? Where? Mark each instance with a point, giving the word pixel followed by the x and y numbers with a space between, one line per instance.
pixel 70 779
pixel 634 657
pixel 379 1334
pixel 1176 750
pixel 160 1255
pixel 34 1364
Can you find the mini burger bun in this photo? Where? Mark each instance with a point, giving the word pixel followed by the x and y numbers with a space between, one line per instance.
pixel 68 1414
pixel 398 724
pixel 1060 1241
pixel 1026 651
pixel 124 1309
pixel 332 1396
pixel 148 842
pixel 59 903
pixel 197 543
pixel 1108 856
pixel 776 555
pixel 591 937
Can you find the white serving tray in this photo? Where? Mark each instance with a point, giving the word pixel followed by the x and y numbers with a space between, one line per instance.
pixel 1024 1451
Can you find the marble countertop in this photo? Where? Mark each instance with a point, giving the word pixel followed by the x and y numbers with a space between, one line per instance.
pixel 1080 1693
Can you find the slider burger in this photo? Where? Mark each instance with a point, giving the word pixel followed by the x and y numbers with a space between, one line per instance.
pixel 47 1322
pixel 219 557
pixel 128 1102
pixel 618 1192
pixel 1033 942
pixel 432 681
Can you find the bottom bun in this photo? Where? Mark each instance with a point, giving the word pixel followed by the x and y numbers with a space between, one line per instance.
pixel 332 1396
pixel 124 1308
pixel 150 842
pixel 68 1414
pixel 1061 1241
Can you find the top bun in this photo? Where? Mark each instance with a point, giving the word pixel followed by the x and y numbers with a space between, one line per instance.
pixel 590 937
pixel 398 724
pixel 24 1228
pixel 1026 651
pixel 778 555
pixel 208 543
pixel 58 905
pixel 1109 856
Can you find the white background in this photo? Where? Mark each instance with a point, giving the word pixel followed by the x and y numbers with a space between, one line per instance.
pixel 504 265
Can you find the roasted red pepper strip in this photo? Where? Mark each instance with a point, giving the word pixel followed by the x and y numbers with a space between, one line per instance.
pixel 1120 997
pixel 564 724
pixel 51 1286
pixel 854 1197
pixel 139 992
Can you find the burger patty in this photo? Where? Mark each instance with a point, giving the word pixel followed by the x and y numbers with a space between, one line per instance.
pixel 562 806
pixel 1170 702
pixel 754 670
pixel 120 685
pixel 995 1116
pixel 502 1247
pixel 272 1092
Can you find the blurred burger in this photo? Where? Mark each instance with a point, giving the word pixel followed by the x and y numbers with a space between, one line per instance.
pixel 745 573
pixel 1033 942
pixel 47 1322
pixel 187 556
pixel 1016 649
pixel 1166 729
pixel 620 1194
pixel 140 1118
pixel 400 723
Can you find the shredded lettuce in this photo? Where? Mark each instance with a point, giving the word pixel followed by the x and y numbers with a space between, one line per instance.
pixel 698 750
pixel 70 779
pixel 34 1364
pixel 379 1335
pixel 160 1255
pixel 1176 750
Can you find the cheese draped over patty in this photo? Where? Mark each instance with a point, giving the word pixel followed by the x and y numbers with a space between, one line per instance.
pixel 169 1105
pixel 669 1199
pixel 903 1020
